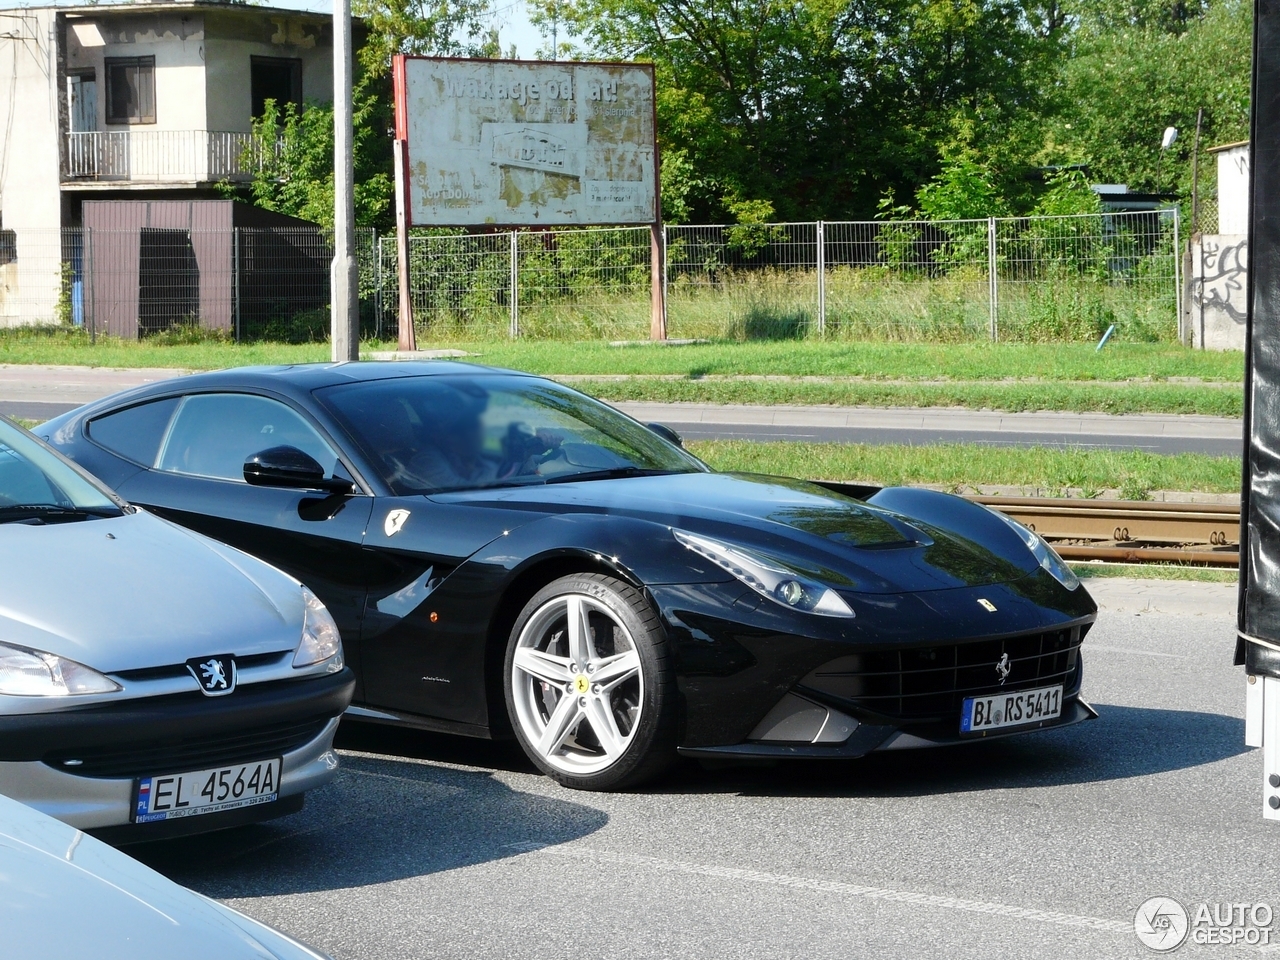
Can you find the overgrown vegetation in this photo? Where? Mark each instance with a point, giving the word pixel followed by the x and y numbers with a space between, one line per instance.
pixel 957 109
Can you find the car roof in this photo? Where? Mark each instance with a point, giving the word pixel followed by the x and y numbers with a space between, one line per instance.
pixel 300 379
pixel 292 380
pixel 311 376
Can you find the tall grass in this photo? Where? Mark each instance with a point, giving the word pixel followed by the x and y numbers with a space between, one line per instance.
pixel 870 303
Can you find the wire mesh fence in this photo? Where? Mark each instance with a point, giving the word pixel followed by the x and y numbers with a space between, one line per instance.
pixel 1031 278
pixel 244 284
pixel 907 280
pixel 1072 277
pixel 1206 216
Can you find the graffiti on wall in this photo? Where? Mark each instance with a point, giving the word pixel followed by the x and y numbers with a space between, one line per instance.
pixel 1220 272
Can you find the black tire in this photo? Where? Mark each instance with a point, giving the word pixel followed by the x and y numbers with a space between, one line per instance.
pixel 652 734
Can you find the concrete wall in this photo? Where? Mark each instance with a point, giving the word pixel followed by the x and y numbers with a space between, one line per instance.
pixel 1217 281
pixel 177 42
pixel 1233 190
pixel 203 61
pixel 234 38
pixel 29 123
pixel 30 199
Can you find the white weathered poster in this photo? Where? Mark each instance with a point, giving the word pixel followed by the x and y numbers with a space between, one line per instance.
pixel 518 143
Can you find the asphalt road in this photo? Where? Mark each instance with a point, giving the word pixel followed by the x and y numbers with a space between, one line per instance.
pixel 1005 438
pixel 1041 846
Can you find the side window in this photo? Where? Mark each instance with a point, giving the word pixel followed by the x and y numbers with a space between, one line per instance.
pixel 214 433
pixel 134 433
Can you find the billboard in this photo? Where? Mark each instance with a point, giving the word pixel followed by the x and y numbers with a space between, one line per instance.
pixel 526 143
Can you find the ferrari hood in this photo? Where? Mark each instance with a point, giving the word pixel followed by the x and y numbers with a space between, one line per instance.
pixel 135 591
pixel 844 541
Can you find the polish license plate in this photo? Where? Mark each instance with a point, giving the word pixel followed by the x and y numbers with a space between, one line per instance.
pixel 191 794
pixel 1013 709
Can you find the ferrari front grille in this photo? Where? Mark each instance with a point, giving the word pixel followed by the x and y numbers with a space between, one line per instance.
pixel 923 684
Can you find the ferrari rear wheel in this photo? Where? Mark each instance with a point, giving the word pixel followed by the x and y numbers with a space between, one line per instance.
pixel 589 684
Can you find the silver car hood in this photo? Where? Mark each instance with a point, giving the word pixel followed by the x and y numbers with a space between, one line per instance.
pixel 136 591
pixel 66 896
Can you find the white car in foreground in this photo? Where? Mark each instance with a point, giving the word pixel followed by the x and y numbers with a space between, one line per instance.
pixel 67 896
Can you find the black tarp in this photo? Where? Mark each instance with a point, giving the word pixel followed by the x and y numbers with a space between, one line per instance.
pixel 1259 615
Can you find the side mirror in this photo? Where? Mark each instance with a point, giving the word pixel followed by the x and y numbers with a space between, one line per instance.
pixel 291 468
pixel 666 433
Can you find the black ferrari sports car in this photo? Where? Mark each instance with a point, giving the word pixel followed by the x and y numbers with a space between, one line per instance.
pixel 505 555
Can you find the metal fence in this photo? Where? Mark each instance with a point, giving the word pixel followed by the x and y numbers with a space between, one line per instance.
pixel 262 284
pixel 1030 278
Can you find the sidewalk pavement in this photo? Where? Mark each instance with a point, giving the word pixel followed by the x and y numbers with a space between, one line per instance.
pixel 1185 598
pixel 959 420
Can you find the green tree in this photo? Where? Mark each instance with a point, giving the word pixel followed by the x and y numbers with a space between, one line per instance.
pixel 1135 73
pixel 818 106
pixel 427 27
pixel 294 162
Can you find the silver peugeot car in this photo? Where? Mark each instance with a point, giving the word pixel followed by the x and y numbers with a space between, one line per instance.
pixel 152 681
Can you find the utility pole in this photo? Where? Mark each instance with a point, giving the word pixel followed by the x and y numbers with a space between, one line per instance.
pixel 344 276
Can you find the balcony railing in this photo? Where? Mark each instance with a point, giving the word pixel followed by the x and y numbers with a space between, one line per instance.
pixel 162 156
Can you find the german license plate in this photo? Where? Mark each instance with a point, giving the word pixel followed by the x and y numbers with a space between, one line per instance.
pixel 198 792
pixel 1011 709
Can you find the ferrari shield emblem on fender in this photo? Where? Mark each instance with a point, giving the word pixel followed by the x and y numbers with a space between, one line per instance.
pixel 986 605
pixel 395 522
pixel 216 675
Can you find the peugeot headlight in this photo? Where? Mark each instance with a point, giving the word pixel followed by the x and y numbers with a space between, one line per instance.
pixel 320 637
pixel 31 673
pixel 769 578
pixel 1044 554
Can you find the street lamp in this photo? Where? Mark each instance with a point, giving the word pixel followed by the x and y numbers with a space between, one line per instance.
pixel 344 276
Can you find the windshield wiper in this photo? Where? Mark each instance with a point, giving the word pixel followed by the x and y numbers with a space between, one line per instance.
pixel 11 513
pixel 613 473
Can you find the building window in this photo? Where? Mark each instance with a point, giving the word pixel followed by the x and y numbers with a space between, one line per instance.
pixel 131 90
pixel 278 79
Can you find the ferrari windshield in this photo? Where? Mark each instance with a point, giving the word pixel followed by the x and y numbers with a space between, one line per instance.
pixel 36 485
pixel 437 433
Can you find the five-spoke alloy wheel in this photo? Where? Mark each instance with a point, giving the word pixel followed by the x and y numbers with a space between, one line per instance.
pixel 588 683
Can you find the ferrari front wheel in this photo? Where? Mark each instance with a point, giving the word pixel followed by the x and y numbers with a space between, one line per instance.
pixel 589 684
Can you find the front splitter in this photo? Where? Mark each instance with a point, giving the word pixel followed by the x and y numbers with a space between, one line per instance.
pixel 870 738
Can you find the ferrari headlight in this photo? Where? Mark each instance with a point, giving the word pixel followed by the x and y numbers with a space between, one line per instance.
pixel 768 577
pixel 31 673
pixel 1044 554
pixel 320 637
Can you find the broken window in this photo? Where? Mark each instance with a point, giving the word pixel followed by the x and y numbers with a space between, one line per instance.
pixel 131 90
pixel 278 79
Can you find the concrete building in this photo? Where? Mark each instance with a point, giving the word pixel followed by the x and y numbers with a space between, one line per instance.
pixel 1219 264
pixel 109 101
pixel 1233 187
pixel 132 101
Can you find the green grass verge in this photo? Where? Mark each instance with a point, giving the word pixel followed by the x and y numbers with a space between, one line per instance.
pixel 1083 398
pixel 75 349
pixel 1154 571
pixel 888 361
pixel 891 361
pixel 961 465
